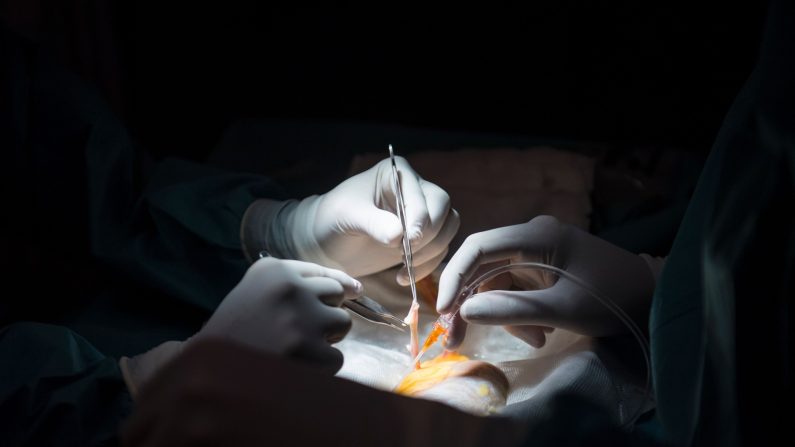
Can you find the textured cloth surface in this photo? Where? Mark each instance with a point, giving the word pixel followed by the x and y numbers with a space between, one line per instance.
pixel 377 356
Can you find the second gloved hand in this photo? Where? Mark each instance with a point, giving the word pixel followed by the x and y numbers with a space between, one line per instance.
pixel 283 307
pixel 531 302
pixel 355 226
pixel 289 308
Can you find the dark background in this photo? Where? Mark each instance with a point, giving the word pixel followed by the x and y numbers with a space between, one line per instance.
pixel 622 73
pixel 650 81
pixel 625 75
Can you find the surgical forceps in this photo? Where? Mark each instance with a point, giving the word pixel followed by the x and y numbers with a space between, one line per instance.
pixel 366 308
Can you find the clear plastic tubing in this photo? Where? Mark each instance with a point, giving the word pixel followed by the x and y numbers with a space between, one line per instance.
pixel 446 320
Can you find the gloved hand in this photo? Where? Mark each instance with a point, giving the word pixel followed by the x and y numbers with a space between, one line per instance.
pixel 355 226
pixel 280 307
pixel 531 302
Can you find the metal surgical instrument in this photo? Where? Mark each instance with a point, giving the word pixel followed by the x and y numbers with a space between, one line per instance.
pixel 408 258
pixel 366 308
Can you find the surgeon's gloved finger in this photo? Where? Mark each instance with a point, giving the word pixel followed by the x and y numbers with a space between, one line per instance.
pixel 351 287
pixel 455 333
pixel 417 215
pixel 429 257
pixel 502 307
pixel 441 239
pixel 438 204
pixel 534 336
pixel 335 324
pixel 488 246
pixel 503 281
pixel 328 290
pixel 420 271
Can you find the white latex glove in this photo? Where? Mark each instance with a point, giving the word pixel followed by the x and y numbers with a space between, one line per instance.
pixel 355 226
pixel 281 307
pixel 531 302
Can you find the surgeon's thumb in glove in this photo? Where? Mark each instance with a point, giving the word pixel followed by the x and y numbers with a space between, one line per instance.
pixel 503 307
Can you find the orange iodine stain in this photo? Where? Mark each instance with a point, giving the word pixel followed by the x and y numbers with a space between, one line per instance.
pixel 436 331
pixel 429 373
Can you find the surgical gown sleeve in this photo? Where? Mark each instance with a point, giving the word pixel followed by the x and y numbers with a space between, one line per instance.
pixel 180 230
pixel 719 324
pixel 173 225
pixel 56 389
pixel 182 234
pixel 74 173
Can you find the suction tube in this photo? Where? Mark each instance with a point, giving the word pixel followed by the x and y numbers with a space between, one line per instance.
pixel 446 320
